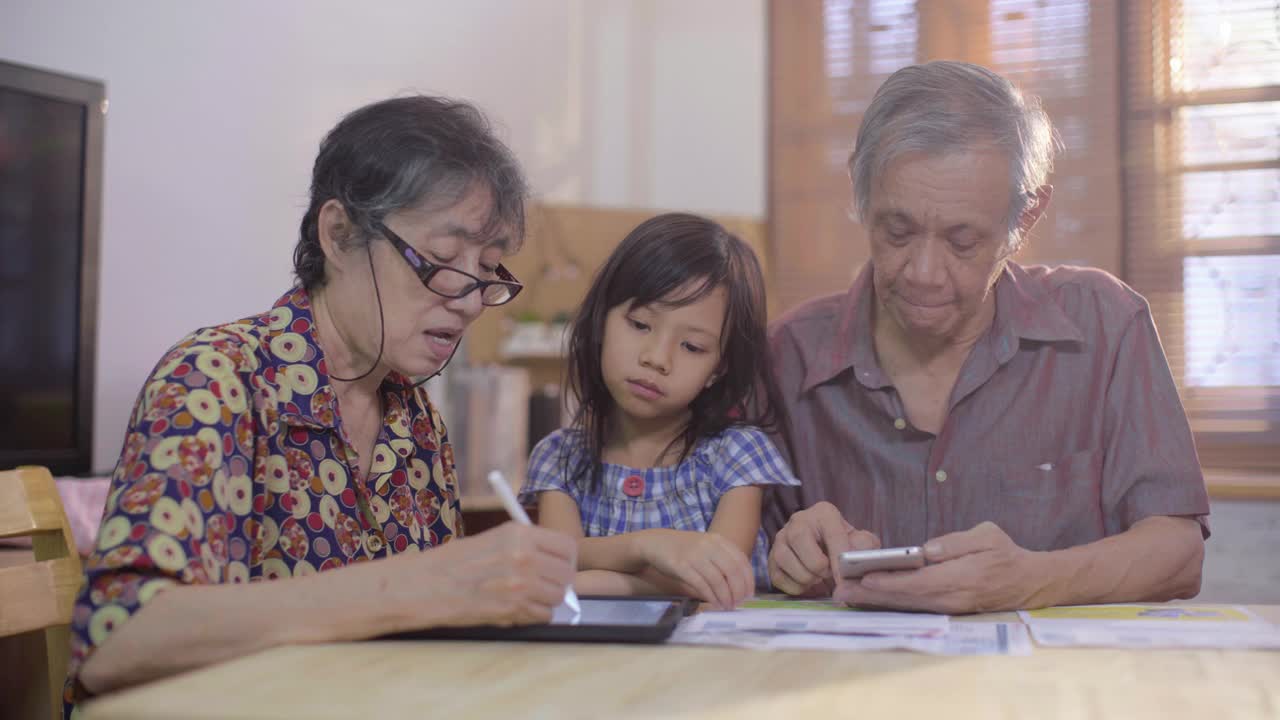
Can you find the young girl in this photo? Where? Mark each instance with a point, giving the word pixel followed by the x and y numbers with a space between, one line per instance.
pixel 660 473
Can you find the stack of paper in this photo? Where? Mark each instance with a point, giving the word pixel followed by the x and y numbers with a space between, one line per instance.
pixel 849 622
pixel 1152 626
pixel 823 625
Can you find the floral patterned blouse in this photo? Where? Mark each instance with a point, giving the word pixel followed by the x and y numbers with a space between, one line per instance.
pixel 237 468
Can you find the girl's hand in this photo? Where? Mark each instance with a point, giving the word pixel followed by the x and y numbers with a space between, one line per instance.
pixel 710 566
pixel 512 575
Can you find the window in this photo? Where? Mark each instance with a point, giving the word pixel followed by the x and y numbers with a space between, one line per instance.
pixel 1169 112
pixel 1065 52
pixel 827 59
pixel 1202 186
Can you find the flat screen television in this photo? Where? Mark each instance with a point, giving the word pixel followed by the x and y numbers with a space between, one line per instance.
pixel 50 206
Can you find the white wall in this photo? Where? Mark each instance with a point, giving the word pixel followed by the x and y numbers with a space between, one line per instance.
pixel 216 110
pixel 675 98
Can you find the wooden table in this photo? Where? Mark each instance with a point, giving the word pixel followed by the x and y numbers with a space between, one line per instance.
pixel 514 680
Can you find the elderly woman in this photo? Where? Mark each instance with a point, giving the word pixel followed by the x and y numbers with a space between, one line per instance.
pixel 293 447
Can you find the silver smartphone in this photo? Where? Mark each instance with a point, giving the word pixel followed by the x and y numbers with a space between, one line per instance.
pixel 856 563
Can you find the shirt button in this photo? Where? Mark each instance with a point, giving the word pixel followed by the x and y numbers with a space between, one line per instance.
pixel 373 543
pixel 900 424
pixel 633 486
pixel 941 476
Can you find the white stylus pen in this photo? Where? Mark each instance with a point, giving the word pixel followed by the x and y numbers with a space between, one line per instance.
pixel 517 513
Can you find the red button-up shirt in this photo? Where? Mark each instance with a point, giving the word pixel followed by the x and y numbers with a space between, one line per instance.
pixel 1064 425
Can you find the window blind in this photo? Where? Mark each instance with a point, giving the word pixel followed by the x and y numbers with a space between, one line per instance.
pixel 827 60
pixel 1202 188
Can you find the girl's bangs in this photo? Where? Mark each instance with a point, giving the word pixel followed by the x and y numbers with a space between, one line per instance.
pixel 676 291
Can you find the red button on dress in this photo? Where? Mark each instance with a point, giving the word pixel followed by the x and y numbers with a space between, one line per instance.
pixel 633 486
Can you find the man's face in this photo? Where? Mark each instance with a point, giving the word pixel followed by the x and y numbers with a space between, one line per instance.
pixel 939 238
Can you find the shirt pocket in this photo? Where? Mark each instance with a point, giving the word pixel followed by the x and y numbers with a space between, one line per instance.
pixel 1077 470
pixel 1053 504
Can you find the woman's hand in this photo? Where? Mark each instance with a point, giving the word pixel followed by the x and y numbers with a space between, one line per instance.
pixel 512 575
pixel 710 566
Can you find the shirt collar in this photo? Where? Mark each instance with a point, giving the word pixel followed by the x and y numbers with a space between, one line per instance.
pixel 1023 311
pixel 851 345
pixel 295 365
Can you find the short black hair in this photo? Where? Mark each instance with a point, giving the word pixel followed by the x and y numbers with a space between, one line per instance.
pixel 402 153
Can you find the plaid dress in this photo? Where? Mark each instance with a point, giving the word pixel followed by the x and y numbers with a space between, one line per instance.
pixel 678 497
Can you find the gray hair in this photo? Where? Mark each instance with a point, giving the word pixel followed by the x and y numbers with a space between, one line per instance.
pixel 408 152
pixel 947 106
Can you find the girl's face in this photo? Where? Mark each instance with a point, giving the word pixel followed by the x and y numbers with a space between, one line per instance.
pixel 657 358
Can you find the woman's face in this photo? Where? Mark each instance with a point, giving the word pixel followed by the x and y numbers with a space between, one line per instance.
pixel 423 328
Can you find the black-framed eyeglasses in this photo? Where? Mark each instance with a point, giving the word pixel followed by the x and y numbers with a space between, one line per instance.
pixel 454 283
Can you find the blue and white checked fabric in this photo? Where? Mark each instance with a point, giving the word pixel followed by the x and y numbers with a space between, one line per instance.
pixel 679 497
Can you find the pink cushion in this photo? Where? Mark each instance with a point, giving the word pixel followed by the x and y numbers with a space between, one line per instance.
pixel 83 500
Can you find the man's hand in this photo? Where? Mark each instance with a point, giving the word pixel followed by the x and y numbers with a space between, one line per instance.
pixel 978 570
pixel 805 551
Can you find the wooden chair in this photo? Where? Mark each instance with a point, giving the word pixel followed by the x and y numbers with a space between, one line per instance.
pixel 36 598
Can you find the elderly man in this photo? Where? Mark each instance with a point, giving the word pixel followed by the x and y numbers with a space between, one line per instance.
pixel 1020 423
